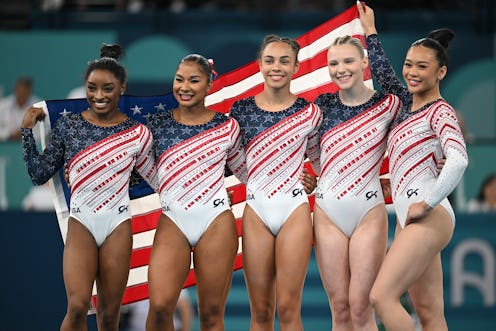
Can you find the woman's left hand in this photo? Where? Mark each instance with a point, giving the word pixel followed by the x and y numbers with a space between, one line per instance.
pixel 309 181
pixel 417 211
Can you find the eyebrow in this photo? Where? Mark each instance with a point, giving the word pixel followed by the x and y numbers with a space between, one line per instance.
pixel 106 84
pixel 421 62
pixel 194 76
pixel 282 57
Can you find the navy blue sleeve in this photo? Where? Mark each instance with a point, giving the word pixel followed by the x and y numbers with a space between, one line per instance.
pixel 42 166
pixel 383 72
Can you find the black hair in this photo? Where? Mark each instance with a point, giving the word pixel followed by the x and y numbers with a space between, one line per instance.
pixel 485 183
pixel 438 40
pixel 271 38
pixel 25 80
pixel 205 65
pixel 109 60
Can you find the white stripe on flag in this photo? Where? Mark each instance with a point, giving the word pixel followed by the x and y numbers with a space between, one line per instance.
pixel 353 27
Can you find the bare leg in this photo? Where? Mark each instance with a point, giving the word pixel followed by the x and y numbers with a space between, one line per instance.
pixel 410 255
pixel 80 263
pixel 427 297
pixel 348 266
pixel 367 250
pixel 169 265
pixel 293 247
pixel 259 270
pixel 331 251
pixel 113 272
pixel 214 260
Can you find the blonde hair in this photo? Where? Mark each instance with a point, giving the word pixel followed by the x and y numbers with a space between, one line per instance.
pixel 349 40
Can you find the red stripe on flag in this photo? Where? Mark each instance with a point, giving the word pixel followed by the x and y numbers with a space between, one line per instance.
pixel 329 26
pixel 140 257
pixel 146 222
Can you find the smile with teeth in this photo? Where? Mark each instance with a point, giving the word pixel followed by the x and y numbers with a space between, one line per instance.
pixel 185 97
pixel 100 104
pixel 413 82
pixel 344 78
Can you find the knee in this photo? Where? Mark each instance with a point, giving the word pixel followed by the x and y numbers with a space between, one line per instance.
pixel 77 311
pixel 340 311
pixel 108 315
pixel 285 313
pixel 160 311
pixel 289 306
pixel 376 298
pixel 263 314
pixel 108 319
pixel 211 316
pixel 428 312
pixel 360 310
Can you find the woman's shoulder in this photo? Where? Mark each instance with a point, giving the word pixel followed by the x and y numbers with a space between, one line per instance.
pixel 244 101
pixel 242 105
pixel 326 98
pixel 73 120
pixel 158 117
pixel 442 108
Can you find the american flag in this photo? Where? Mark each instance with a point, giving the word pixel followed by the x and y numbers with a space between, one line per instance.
pixel 311 80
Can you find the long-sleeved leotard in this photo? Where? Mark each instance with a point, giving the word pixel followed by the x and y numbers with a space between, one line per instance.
pixel 275 145
pixel 418 140
pixel 352 144
pixel 99 162
pixel 191 162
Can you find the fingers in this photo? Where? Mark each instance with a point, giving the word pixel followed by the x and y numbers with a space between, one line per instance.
pixel 309 182
pixel 417 211
pixel 31 116
pixel 66 176
pixel 386 187
pixel 366 18
pixel 360 7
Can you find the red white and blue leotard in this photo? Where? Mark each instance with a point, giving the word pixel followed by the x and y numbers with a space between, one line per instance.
pixel 191 162
pixel 417 141
pixel 275 145
pixel 352 144
pixel 99 161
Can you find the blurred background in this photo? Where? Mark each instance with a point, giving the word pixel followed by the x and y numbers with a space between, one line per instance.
pixel 45 46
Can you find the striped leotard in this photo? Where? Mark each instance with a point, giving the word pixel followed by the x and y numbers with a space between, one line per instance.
pixel 352 144
pixel 99 162
pixel 417 141
pixel 191 162
pixel 275 145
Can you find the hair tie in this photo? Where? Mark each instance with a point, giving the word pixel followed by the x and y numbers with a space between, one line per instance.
pixel 212 67
pixel 108 58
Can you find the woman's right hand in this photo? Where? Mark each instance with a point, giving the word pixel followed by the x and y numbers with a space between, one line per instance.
pixel 386 188
pixel 366 18
pixel 31 116
pixel 66 176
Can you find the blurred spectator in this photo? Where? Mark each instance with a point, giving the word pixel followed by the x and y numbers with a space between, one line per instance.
pixel 176 6
pixel 51 5
pixel 485 202
pixel 133 316
pixel 77 93
pixel 467 135
pixel 12 109
pixel 39 198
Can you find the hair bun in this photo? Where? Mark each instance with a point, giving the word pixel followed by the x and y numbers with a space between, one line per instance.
pixel 443 36
pixel 113 51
